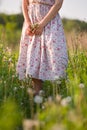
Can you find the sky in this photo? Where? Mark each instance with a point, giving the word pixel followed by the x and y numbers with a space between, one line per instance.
pixel 73 9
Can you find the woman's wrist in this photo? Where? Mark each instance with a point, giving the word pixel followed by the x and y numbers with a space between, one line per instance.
pixel 28 22
pixel 42 23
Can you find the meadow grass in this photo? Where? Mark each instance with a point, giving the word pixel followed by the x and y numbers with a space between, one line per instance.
pixel 64 104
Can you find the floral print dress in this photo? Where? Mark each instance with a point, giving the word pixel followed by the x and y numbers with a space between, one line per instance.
pixel 43 56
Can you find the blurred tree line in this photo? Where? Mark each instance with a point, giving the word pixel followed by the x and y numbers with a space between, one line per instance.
pixel 76 25
pixel 11 25
pixel 16 21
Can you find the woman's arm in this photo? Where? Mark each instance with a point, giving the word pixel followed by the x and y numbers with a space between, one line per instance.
pixel 25 4
pixel 52 12
pixel 49 16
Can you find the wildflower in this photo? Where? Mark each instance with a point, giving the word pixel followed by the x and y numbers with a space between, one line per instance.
pixel 38 99
pixel 22 103
pixel 43 107
pixel 10 59
pixel 81 85
pixel 50 99
pixel 15 88
pixel 66 101
pixel 30 124
pixel 67 80
pixel 13 76
pixel 58 98
pixel 5 82
pixel 33 28
pixel 41 93
pixel 8 50
pixel 58 81
pixel 22 87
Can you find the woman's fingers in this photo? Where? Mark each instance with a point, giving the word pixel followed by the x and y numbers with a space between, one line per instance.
pixel 38 32
pixel 34 30
pixel 29 32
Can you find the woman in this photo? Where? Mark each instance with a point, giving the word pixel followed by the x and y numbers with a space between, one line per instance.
pixel 43 52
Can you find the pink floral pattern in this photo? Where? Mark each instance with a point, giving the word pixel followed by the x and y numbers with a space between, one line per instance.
pixel 45 56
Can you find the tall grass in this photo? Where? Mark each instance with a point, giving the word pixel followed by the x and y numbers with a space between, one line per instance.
pixel 64 104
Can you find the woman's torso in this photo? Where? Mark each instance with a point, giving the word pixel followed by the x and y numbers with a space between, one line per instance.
pixel 38 11
pixel 51 2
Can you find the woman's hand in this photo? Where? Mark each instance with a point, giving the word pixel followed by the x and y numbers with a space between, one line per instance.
pixel 39 29
pixel 29 30
pixel 35 29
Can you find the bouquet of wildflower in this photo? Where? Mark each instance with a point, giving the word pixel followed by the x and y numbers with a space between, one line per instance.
pixel 33 28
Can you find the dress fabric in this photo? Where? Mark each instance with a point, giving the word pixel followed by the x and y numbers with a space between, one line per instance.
pixel 43 56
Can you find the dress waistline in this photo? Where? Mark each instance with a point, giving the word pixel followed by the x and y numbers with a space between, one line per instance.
pixel 37 2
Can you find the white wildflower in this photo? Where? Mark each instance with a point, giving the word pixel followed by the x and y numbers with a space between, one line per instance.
pixel 81 85
pixel 15 88
pixel 43 107
pixel 38 99
pixel 58 98
pixel 10 59
pixel 22 87
pixel 5 82
pixel 41 93
pixel 8 49
pixel 13 76
pixel 69 99
pixel 67 80
pixel 58 81
pixel 50 99
pixel 22 103
pixel 66 101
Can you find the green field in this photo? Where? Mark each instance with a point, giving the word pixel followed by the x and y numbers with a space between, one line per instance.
pixel 64 105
